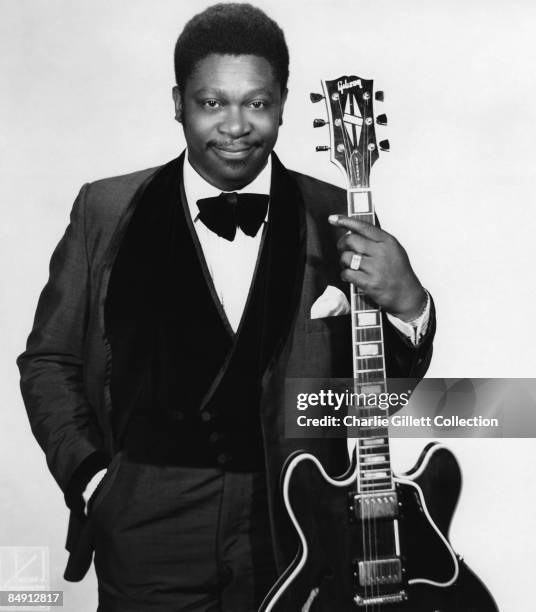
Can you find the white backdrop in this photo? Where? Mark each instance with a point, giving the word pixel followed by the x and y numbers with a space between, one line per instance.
pixel 87 93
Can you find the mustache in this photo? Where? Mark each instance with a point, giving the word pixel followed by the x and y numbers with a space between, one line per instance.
pixel 234 144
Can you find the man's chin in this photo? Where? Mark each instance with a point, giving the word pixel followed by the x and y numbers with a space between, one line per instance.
pixel 237 173
pixel 229 173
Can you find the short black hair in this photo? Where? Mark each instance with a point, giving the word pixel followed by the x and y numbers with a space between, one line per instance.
pixel 231 29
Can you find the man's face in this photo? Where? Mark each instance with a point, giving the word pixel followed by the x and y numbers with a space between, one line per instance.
pixel 230 111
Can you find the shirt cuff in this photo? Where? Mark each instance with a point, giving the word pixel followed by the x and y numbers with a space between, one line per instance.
pixel 93 484
pixel 416 329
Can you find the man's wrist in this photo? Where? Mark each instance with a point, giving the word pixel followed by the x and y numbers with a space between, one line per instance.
pixel 415 329
pixel 414 310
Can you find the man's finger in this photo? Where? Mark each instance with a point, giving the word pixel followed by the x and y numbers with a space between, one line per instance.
pixel 357 243
pixel 359 227
pixel 358 278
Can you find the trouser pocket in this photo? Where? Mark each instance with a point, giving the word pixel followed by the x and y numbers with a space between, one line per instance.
pixel 105 485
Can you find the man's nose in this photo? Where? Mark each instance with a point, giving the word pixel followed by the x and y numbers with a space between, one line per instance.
pixel 235 122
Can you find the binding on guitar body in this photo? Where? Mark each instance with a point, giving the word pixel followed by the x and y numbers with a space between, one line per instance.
pixel 378 542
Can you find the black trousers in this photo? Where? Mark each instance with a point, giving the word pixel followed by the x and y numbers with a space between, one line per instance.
pixel 173 539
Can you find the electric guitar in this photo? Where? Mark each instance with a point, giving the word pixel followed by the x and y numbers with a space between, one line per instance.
pixel 377 541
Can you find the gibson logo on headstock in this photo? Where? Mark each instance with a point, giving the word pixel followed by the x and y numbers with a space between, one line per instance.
pixel 347 84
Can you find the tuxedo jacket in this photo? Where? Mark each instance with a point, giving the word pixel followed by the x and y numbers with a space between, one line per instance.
pixel 65 369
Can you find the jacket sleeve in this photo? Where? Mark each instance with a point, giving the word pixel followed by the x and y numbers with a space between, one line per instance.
pixel 52 366
pixel 402 358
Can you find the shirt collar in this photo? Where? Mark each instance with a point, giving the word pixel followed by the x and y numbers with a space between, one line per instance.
pixel 196 187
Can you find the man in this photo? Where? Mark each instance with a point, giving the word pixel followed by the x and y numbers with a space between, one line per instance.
pixel 171 319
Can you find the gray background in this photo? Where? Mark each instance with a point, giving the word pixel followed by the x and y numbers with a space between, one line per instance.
pixel 86 94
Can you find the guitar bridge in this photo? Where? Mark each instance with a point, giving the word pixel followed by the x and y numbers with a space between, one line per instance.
pixel 381 599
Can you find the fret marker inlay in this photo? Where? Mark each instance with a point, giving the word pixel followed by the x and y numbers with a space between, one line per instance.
pixel 368 349
pixel 367 318
pixel 361 202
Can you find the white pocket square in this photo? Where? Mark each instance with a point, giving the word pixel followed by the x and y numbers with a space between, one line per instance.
pixel 331 303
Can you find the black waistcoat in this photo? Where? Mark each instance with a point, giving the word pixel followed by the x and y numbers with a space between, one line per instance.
pixel 191 386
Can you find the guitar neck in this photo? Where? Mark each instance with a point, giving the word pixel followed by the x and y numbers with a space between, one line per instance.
pixel 375 473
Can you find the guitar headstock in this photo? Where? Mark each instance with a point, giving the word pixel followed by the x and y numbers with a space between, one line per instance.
pixel 349 102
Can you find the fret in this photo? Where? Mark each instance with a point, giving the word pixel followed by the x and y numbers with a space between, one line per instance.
pixel 373 448
pixel 366 360
pixel 368 334
pixel 368 467
pixel 371 378
pixel 376 487
pixel 368 477
pixel 361 326
pixel 371 363
pixel 376 482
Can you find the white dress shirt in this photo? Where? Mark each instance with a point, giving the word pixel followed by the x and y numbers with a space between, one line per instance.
pixel 231 263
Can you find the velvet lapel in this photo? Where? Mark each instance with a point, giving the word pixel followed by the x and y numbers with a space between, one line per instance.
pixel 159 305
pixel 287 251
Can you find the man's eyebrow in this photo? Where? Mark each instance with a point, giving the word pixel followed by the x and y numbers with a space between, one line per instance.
pixel 215 91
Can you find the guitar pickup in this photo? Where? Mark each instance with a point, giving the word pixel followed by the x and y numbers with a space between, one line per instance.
pixel 373 506
pixel 378 572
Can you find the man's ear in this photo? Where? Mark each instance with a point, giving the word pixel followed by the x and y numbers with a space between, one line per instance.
pixel 177 99
pixel 282 106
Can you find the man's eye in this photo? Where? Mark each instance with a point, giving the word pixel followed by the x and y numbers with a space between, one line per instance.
pixel 258 104
pixel 211 103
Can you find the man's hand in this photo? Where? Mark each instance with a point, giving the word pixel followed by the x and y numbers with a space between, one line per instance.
pixel 93 484
pixel 385 274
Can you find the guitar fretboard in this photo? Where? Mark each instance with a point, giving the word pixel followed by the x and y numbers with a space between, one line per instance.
pixel 369 371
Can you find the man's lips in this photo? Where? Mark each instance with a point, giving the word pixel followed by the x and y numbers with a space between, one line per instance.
pixel 228 151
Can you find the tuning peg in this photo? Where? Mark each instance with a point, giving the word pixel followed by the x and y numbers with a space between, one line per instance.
pixel 316 97
pixel 319 123
pixel 322 148
pixel 379 96
pixel 384 145
pixel 381 119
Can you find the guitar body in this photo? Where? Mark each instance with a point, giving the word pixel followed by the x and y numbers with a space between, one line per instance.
pixel 435 579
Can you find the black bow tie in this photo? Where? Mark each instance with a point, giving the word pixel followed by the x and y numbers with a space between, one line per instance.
pixel 228 211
